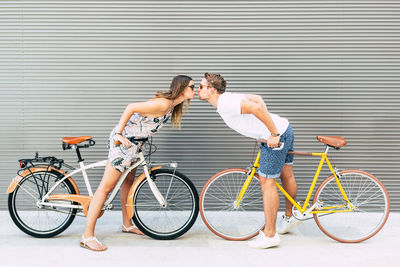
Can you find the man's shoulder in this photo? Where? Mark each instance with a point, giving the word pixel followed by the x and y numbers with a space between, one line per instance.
pixel 232 94
pixel 229 102
pixel 228 97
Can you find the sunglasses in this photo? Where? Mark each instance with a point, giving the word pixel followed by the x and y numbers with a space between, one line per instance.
pixel 203 86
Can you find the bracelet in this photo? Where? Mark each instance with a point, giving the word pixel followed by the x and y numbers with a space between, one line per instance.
pixel 275 135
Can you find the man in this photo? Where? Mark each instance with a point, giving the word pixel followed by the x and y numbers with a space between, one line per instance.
pixel 248 115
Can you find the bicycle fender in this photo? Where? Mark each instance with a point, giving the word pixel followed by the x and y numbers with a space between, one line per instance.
pixel 19 177
pixel 129 207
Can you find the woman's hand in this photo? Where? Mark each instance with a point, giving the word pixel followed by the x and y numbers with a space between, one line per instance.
pixel 119 139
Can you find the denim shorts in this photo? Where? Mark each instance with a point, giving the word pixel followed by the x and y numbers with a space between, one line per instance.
pixel 273 160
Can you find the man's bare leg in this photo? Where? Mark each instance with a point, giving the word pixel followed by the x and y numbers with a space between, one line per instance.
pixel 290 186
pixel 271 205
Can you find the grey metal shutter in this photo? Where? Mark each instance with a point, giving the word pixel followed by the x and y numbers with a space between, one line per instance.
pixel 69 68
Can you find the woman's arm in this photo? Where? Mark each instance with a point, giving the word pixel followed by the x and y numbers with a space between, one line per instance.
pixel 154 106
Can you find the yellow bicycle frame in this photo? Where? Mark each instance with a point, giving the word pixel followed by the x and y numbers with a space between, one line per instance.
pixel 324 157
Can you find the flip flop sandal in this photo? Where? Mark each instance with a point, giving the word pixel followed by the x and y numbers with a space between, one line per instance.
pixel 128 230
pixel 85 240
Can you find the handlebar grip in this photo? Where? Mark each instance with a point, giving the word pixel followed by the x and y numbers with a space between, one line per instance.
pixel 117 143
pixel 280 146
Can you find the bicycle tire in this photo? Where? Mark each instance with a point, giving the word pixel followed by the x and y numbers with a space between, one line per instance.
pixel 366 193
pixel 217 205
pixel 174 220
pixel 22 205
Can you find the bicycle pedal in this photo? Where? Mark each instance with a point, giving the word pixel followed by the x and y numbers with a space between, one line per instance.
pixel 109 207
pixel 302 216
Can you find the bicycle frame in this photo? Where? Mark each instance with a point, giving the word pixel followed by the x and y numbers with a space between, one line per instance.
pixel 83 168
pixel 324 158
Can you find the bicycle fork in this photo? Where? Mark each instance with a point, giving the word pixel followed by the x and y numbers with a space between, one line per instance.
pixel 246 184
pixel 161 200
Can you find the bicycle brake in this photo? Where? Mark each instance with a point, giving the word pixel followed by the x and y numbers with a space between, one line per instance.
pixel 249 170
pixel 337 173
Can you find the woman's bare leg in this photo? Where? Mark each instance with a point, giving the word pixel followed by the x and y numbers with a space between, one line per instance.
pixel 107 184
pixel 126 186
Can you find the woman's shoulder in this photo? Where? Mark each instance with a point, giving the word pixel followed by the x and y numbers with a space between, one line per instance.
pixel 162 103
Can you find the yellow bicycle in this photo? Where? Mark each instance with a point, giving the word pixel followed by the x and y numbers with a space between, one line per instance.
pixel 349 206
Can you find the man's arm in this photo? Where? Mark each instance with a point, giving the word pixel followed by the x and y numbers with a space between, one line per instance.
pixel 254 104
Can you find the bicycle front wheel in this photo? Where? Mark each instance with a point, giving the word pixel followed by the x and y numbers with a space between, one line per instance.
pixel 180 213
pixel 29 215
pixel 217 205
pixel 369 198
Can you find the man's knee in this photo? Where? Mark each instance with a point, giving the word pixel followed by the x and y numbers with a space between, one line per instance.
pixel 287 173
pixel 267 183
pixel 288 177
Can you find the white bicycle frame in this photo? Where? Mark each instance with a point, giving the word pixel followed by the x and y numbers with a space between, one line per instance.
pixel 107 204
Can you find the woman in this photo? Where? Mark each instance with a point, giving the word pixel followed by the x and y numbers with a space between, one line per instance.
pixel 138 120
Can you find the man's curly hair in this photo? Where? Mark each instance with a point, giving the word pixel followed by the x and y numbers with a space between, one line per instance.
pixel 216 81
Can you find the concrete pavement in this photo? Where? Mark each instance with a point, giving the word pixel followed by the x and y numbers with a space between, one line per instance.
pixel 305 246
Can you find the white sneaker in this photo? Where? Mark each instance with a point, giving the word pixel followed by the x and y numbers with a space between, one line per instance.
pixel 262 241
pixel 287 224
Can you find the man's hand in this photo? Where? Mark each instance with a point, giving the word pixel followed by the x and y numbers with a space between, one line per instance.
pixel 272 141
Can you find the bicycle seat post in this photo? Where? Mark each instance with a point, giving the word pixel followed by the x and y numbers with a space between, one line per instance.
pixel 78 153
pixel 82 166
pixel 326 149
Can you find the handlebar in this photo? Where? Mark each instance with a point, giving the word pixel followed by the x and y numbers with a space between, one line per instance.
pixel 133 140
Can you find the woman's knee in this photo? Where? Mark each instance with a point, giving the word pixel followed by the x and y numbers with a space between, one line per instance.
pixel 109 180
pixel 105 188
pixel 130 177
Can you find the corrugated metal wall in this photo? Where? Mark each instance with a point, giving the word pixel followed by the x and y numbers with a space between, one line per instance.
pixel 331 67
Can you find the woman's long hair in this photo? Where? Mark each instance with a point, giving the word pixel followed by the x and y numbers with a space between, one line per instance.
pixel 178 85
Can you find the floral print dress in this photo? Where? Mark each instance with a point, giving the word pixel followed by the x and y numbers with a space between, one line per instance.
pixel 138 126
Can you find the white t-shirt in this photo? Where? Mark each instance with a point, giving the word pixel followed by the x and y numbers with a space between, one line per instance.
pixel 229 107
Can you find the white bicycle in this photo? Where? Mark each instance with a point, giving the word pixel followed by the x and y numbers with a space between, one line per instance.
pixel 44 199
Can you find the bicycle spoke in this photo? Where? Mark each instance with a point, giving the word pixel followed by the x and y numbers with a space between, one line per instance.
pixel 35 220
pixel 165 221
pixel 220 213
pixel 369 200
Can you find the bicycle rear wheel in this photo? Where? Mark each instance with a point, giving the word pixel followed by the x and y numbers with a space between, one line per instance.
pixel 180 213
pixel 217 205
pixel 36 220
pixel 371 206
